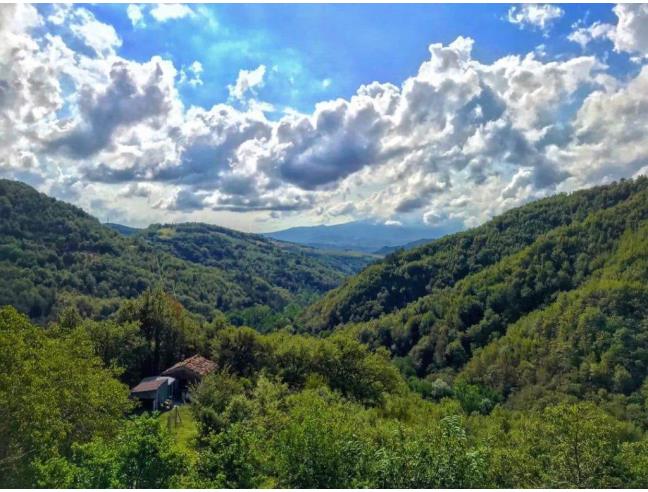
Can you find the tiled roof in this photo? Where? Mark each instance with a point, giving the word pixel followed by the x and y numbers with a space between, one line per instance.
pixel 197 364
pixel 150 384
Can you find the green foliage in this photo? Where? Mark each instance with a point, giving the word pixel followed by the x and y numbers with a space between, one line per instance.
pixel 315 438
pixel 54 392
pixel 440 457
pixel 168 331
pixel 633 459
pixel 563 317
pixel 229 459
pixel 321 445
pixel 53 254
pixel 342 363
pixel 564 446
pixel 120 345
pixel 142 455
pixel 475 398
pixel 512 355
pixel 406 276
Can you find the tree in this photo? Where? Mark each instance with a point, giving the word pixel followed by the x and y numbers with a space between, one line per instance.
pixel 229 459
pixel 321 445
pixel 142 455
pixel 54 392
pixel 582 442
pixel 165 325
pixel 242 350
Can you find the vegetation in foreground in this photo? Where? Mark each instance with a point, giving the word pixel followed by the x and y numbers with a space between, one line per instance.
pixel 528 370
pixel 283 411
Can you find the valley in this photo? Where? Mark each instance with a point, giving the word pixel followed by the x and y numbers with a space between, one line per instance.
pixel 431 367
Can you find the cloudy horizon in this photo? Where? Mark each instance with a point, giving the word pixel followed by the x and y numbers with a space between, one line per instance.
pixel 235 121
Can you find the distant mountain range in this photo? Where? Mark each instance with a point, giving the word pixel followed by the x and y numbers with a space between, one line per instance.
pixel 122 229
pixel 386 250
pixel 363 236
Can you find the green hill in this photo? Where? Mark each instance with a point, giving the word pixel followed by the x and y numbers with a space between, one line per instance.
pixel 51 251
pixel 405 276
pixel 542 304
pixel 520 360
pixel 588 343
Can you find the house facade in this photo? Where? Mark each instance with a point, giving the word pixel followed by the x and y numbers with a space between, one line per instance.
pixel 153 391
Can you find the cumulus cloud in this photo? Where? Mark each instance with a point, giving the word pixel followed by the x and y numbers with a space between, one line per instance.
pixel 141 190
pixel 455 143
pixel 629 35
pixel 247 81
pixel 136 92
pixel 136 15
pixel 97 36
pixel 534 16
pixel 610 133
pixel 164 12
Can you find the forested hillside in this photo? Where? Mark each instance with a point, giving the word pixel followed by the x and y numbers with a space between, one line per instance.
pixel 285 410
pixel 560 319
pixel 521 362
pixel 406 276
pixel 289 266
pixel 52 253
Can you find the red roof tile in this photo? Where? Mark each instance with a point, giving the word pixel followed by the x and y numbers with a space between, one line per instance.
pixel 196 364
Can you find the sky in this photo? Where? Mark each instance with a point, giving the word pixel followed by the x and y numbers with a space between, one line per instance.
pixel 262 117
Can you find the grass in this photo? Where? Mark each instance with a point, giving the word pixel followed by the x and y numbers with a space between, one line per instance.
pixel 182 426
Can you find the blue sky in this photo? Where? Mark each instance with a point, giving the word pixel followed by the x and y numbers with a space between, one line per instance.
pixel 260 117
pixel 348 44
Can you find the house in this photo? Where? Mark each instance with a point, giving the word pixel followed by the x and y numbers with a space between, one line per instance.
pixel 189 371
pixel 153 391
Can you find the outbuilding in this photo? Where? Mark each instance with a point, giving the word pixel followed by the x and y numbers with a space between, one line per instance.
pixel 189 371
pixel 153 391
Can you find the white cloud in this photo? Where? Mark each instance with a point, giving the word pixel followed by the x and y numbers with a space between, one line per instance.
pixel 192 75
pixel 456 142
pixel 585 35
pixel 533 15
pixel 629 35
pixel 136 15
pixel 610 134
pixel 247 81
pixel 102 38
pixel 164 12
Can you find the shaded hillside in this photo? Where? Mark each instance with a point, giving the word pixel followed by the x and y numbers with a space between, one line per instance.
pixel 588 343
pixel 51 251
pixel 406 276
pixel 442 330
pixel 563 319
pixel 297 269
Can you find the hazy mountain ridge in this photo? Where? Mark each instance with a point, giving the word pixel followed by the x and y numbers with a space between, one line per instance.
pixel 363 236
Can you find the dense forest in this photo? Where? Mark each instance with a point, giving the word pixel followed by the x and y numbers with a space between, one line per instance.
pixel 406 276
pixel 511 355
pixel 52 253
